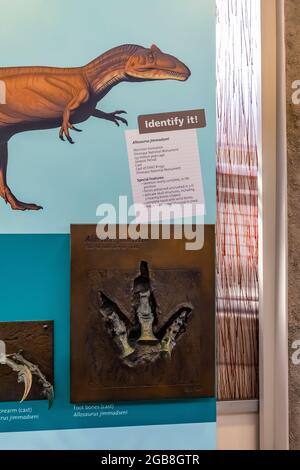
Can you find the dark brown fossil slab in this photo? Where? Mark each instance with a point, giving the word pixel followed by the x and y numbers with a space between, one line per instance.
pixel 35 340
pixel 179 279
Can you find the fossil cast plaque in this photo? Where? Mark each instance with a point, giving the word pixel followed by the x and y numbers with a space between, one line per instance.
pixel 142 320
pixel 34 340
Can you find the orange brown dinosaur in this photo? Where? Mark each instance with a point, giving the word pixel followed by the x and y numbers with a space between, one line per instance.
pixel 48 97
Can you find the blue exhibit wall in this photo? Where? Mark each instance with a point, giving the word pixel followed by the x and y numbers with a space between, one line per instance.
pixel 35 285
pixel 69 181
pixel 201 436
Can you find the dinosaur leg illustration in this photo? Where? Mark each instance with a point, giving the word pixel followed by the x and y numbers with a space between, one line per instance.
pixel 5 191
pixel 74 104
pixel 113 117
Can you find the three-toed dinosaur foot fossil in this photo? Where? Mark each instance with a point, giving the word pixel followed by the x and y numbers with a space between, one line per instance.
pixel 139 341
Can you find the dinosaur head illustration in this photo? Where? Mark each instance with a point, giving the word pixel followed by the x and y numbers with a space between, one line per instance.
pixel 153 64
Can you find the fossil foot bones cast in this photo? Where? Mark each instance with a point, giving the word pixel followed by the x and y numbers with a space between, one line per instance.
pixel 26 370
pixel 140 342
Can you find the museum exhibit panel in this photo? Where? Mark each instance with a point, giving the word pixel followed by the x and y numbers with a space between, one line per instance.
pixel 149 225
pixel 102 338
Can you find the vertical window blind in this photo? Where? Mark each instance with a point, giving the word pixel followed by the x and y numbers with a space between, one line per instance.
pixel 237 199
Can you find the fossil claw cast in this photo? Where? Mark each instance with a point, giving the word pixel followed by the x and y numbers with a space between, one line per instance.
pixel 24 375
pixel 25 370
pixel 48 392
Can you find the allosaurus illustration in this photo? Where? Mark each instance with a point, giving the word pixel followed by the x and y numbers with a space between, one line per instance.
pixel 40 98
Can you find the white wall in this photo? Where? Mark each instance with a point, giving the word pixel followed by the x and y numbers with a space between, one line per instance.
pixel 238 432
pixel 238 425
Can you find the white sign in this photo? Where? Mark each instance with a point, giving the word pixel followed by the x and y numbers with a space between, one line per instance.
pixel 165 170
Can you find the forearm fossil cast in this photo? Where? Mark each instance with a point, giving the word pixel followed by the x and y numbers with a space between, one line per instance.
pixel 38 98
pixel 26 370
pixel 137 342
